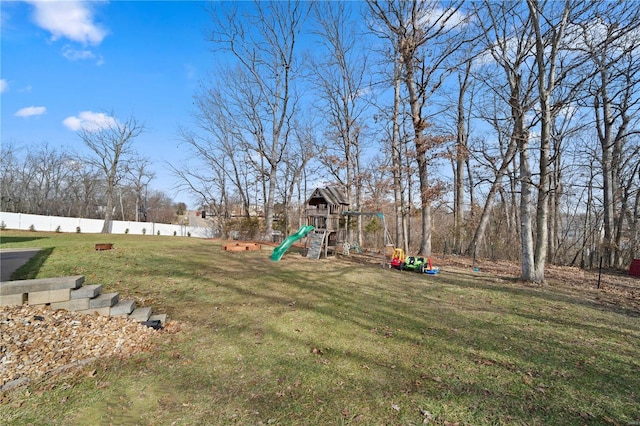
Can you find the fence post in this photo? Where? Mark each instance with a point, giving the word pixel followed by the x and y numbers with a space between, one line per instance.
pixel 600 272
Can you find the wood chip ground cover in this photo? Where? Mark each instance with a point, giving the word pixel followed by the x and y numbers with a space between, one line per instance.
pixel 36 340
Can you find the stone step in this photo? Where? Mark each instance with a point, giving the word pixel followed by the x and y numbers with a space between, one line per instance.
pixel 48 296
pixel 105 300
pixel 88 291
pixel 69 293
pixel 72 304
pixel 40 284
pixel 141 314
pixel 159 317
pixel 13 299
pixel 123 307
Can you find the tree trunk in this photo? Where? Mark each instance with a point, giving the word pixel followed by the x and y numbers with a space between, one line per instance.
pixel 419 126
pixel 488 205
pixel 108 214
pixel 526 222
pixel 396 161
pixel 461 155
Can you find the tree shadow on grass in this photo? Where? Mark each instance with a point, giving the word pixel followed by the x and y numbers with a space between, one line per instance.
pixel 587 297
pixel 8 239
pixel 31 269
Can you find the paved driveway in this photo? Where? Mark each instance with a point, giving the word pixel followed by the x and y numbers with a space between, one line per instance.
pixel 196 220
pixel 12 259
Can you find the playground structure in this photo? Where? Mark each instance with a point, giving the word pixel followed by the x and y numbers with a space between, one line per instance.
pixel 327 211
pixel 324 212
pixel 386 236
pixel 288 242
pixel 326 230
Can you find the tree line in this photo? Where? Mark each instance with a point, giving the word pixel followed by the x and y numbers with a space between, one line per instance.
pixel 512 124
pixel 110 182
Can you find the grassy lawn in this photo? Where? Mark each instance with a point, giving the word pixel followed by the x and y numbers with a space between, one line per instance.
pixel 333 341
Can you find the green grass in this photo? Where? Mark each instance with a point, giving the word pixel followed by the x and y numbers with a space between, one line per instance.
pixel 332 342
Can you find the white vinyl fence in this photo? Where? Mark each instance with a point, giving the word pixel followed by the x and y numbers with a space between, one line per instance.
pixel 94 226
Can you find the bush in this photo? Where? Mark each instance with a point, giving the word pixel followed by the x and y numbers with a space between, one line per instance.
pixel 58 229
pixel 144 231
pixel 126 231
pixel 246 228
pixel 158 233
pixel 32 228
pixel 3 225
pixel 77 229
pixel 174 233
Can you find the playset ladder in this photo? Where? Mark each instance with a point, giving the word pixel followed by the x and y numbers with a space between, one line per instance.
pixel 316 242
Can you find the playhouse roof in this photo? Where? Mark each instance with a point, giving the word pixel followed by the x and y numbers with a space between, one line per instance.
pixel 328 195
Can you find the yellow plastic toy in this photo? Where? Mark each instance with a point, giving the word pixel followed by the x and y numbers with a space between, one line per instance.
pixel 397 259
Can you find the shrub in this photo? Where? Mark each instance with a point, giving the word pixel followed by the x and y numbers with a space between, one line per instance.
pixel 174 233
pixel 158 233
pixel 188 234
pixel 58 229
pixel 126 231
pixel 77 229
pixel 246 228
pixel 3 225
pixel 144 231
pixel 32 228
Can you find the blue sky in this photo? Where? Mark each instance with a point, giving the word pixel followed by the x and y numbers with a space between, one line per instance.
pixel 65 62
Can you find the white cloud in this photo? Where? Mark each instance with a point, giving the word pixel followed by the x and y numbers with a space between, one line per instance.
pixel 4 85
pixel 447 18
pixel 77 55
pixel 30 111
pixel 89 121
pixel 71 19
pixel 73 54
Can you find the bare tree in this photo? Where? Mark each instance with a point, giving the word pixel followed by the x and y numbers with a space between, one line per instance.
pixel 295 160
pixel 110 148
pixel 50 178
pixel 342 74
pixel 508 42
pixel 427 35
pixel 261 95
pixel 219 165
pixel 460 157
pixel 549 25
pixel 392 120
pixel 205 175
pixel 46 180
pixel 88 187
pixel 9 178
pixel 611 42
pixel 139 177
pixel 397 145
pixel 496 163
pixel 635 222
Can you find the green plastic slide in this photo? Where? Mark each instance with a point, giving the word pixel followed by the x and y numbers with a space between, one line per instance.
pixel 279 251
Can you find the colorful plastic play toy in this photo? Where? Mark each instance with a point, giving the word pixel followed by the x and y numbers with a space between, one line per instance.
pixel 414 263
pixel 397 259
pixel 279 251
pixel 419 264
